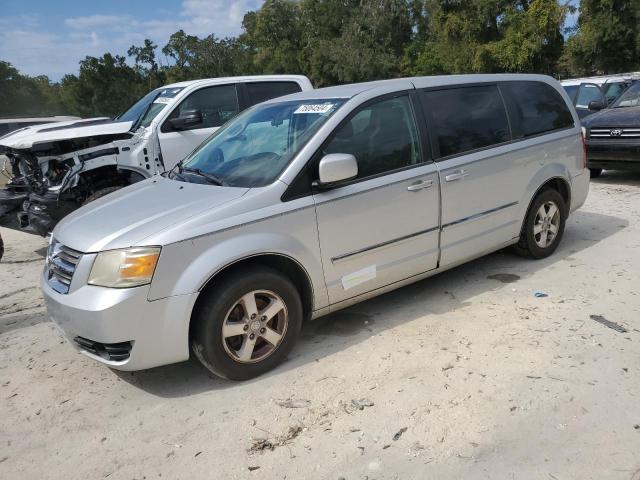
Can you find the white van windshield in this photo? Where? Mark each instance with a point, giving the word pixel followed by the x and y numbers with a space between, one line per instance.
pixel 252 149
pixel 148 107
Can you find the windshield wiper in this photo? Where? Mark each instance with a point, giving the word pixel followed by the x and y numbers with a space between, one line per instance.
pixel 210 177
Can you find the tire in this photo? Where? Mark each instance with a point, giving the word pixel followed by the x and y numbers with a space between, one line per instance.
pixel 595 172
pixel 100 193
pixel 223 326
pixel 1 247
pixel 537 229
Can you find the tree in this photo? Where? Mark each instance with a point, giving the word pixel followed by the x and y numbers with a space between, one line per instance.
pixel 607 38
pixel 146 64
pixel 274 36
pixel 105 86
pixel 367 44
pixel 181 49
pixel 21 95
pixel 489 36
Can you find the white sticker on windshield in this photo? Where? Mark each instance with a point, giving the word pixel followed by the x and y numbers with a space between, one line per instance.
pixel 321 108
pixel 164 100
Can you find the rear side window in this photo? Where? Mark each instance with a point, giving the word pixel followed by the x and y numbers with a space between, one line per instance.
pixel 466 118
pixel 263 91
pixel 535 108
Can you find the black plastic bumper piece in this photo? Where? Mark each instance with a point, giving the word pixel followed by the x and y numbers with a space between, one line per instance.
pixel 115 352
pixel 614 155
pixel 11 200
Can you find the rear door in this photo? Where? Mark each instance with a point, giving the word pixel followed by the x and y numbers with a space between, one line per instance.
pixel 481 183
pixel 217 104
pixel 381 227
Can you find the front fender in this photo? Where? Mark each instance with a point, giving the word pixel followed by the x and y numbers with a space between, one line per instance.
pixel 186 266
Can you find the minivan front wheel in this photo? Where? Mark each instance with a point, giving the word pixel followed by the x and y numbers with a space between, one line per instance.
pixel 543 226
pixel 247 324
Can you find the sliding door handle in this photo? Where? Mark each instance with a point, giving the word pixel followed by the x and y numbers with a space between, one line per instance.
pixel 414 187
pixel 457 175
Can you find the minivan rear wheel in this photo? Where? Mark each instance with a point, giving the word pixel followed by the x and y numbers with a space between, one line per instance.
pixel 247 324
pixel 544 225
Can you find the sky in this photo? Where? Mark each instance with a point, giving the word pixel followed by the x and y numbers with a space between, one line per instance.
pixel 50 37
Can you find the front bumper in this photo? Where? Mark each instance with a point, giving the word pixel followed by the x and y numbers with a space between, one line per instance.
pixel 614 155
pixel 158 331
pixel 41 213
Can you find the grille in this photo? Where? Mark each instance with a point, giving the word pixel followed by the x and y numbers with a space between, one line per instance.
pixel 61 265
pixel 615 132
pixel 115 352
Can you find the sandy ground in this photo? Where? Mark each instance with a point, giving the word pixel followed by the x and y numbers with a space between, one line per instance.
pixel 466 376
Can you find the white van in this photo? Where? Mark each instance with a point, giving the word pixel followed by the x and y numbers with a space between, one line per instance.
pixel 58 167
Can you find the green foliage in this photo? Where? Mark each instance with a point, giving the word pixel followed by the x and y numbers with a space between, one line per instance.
pixel 24 96
pixel 342 41
pixel 490 36
pixel 607 38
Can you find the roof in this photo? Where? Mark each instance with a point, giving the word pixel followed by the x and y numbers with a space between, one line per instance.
pixel 244 78
pixel 351 90
pixel 602 79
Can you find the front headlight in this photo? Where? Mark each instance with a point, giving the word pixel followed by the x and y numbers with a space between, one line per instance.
pixel 128 267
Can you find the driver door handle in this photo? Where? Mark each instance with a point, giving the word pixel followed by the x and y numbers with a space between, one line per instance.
pixel 414 187
pixel 457 175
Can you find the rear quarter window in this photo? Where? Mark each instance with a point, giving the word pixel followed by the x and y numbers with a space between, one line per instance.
pixel 262 91
pixel 535 108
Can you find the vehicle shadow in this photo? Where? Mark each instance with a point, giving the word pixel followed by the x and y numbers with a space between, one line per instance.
pixel 616 177
pixel 446 292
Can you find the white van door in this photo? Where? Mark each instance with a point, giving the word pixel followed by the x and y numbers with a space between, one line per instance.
pixel 194 119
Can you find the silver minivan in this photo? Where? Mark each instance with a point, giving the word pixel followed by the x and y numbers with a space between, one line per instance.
pixel 309 203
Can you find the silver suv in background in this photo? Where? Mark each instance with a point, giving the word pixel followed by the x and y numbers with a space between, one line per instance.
pixel 590 94
pixel 304 205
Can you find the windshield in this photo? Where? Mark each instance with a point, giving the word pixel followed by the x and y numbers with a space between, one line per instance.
pixel 252 149
pixel 148 107
pixel 630 98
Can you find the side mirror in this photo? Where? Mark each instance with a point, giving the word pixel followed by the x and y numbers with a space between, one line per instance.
pixel 187 119
pixel 596 105
pixel 336 167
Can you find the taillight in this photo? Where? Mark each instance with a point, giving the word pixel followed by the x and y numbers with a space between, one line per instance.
pixel 583 134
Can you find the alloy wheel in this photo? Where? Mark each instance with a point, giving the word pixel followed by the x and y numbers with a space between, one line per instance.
pixel 255 326
pixel 546 224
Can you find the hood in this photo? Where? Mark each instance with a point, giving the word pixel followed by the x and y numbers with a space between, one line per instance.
pixel 614 117
pixel 51 132
pixel 126 217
